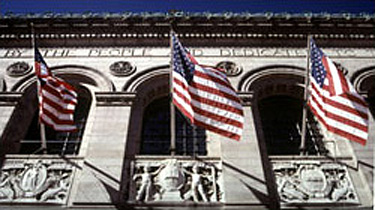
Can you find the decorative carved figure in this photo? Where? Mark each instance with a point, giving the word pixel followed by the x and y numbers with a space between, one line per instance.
pixel 196 186
pixel 58 186
pixel 146 182
pixel 341 190
pixel 5 191
pixel 176 180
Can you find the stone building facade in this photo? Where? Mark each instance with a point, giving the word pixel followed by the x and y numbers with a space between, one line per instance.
pixel 120 158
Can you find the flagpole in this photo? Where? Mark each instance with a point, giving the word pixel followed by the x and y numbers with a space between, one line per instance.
pixel 305 97
pixel 173 116
pixel 42 126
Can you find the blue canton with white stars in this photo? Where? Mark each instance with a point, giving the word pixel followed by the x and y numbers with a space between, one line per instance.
pixel 181 62
pixel 318 70
pixel 43 67
pixel 38 57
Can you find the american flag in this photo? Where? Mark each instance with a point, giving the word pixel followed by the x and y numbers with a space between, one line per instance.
pixel 204 95
pixel 57 99
pixel 334 101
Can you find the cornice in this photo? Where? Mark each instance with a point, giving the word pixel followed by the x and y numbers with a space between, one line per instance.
pixel 192 16
pixel 111 29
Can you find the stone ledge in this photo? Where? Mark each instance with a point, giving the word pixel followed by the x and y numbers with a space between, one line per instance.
pixel 9 98
pixel 114 99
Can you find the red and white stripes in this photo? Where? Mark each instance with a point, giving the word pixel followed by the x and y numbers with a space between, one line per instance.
pixel 57 102
pixel 57 99
pixel 337 81
pixel 209 101
pixel 344 114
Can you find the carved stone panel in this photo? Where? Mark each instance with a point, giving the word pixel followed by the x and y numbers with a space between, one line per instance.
pixel 176 180
pixel 122 68
pixel 35 181
pixel 18 69
pixel 231 68
pixel 314 182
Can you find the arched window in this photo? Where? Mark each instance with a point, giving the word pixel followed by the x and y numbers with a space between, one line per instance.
pixel 281 118
pixel 371 101
pixel 190 140
pixel 58 142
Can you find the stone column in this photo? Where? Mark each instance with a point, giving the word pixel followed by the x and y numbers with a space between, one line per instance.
pixel 244 164
pixel 98 181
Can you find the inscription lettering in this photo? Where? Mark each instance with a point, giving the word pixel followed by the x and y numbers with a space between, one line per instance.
pixel 14 53
pixel 346 52
pixel 199 52
pixel 57 53
pixel 94 52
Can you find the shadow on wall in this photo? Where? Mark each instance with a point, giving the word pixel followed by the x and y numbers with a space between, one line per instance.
pixel 271 200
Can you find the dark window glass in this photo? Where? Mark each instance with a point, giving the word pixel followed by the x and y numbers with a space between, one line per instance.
pixel 371 103
pixel 59 142
pixel 281 122
pixel 190 140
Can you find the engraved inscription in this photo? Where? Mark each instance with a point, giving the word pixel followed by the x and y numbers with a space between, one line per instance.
pixel 13 53
pixel 198 52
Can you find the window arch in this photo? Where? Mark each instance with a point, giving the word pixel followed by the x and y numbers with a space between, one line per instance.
pixel 155 138
pixel 363 81
pixel 278 101
pixel 57 142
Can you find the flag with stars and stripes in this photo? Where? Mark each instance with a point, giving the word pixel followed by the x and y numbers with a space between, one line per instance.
pixel 204 94
pixel 334 101
pixel 57 99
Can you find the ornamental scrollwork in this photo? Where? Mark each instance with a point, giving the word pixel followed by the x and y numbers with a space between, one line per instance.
pixel 314 182
pixel 173 180
pixel 35 182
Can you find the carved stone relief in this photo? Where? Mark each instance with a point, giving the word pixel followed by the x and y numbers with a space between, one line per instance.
pixel 18 69
pixel 231 68
pixel 122 68
pixel 35 181
pixel 176 180
pixel 314 182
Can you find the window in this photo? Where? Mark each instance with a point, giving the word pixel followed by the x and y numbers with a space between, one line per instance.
pixel 59 142
pixel 371 103
pixel 190 140
pixel 281 122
